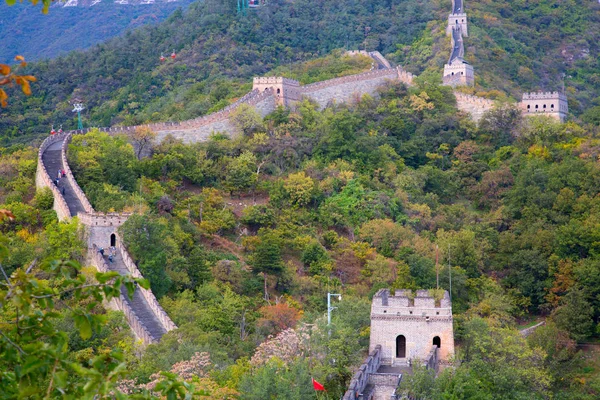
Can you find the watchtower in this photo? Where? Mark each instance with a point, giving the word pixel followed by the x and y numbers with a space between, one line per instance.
pixel 553 104
pixel 458 72
pixel 457 18
pixel 286 91
pixel 407 325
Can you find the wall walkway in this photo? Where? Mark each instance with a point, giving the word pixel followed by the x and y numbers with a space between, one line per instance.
pixel 144 315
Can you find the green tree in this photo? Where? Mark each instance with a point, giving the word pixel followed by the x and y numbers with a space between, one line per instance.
pixel 575 315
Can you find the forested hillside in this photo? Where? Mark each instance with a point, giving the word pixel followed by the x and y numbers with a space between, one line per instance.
pixel 346 200
pixel 26 31
pixel 514 46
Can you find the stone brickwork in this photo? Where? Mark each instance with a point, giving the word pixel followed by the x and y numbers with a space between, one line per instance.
pixel 121 304
pixel 286 91
pixel 69 175
pixel 42 179
pixel 360 379
pixel 457 72
pixel 346 89
pixel 145 316
pixel 100 226
pixel 553 104
pixel 420 320
pixel 473 105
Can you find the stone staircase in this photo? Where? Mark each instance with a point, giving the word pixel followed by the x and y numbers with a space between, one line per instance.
pixel 146 318
pixel 53 162
pixel 138 303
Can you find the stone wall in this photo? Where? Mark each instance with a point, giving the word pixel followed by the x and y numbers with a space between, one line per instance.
pixel 158 311
pixel 100 226
pixel 120 304
pixel 473 105
pixel 553 104
pixel 346 89
pixel 42 179
pixel 78 192
pixel 419 318
pixel 361 378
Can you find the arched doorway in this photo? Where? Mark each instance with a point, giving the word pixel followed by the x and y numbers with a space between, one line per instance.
pixel 437 342
pixel 113 240
pixel 400 346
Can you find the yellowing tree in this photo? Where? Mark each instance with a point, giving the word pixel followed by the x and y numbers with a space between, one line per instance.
pixel 300 188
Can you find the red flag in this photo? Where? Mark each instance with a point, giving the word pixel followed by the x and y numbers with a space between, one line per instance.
pixel 317 385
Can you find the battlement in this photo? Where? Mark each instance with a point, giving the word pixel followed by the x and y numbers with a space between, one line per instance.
pixel 103 219
pixel 458 20
pixel 458 73
pixel 544 95
pixel 407 324
pixel 286 91
pixel 406 303
pixel 553 104
pixel 274 80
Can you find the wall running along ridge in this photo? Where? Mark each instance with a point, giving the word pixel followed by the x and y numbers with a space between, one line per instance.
pixel 473 105
pixel 99 227
pixel 120 304
pixel 69 175
pixel 348 88
pixel 42 179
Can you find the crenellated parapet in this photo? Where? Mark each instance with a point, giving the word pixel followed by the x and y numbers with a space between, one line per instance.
pixel 43 179
pixel 475 106
pixel 553 104
pixel 457 18
pixel 407 324
pixel 103 219
pixel 69 175
pixel 457 72
pixel 285 90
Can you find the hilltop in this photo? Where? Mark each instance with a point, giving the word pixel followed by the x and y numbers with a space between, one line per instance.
pixel 514 47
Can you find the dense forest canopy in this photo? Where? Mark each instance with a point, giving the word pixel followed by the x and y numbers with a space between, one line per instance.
pixel 514 47
pixel 241 237
pixel 350 199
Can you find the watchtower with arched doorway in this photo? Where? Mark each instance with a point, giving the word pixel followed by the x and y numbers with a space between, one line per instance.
pixel 407 325
pixel 286 91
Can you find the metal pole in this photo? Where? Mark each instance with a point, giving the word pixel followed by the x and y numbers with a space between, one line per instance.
pixel 330 308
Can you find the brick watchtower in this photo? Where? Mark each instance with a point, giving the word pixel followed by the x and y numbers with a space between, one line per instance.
pixel 553 104
pixel 458 18
pixel 406 326
pixel 458 72
pixel 287 91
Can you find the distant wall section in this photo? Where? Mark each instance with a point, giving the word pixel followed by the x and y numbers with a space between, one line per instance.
pixel 473 105
pixel 348 88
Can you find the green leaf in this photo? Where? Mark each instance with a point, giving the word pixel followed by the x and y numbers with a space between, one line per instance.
pixel 84 325
pixel 103 277
pixel 33 364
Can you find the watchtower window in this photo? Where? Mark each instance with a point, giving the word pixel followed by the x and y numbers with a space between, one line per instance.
pixel 113 240
pixel 462 73
pixel 551 105
pixel 437 342
pixel 400 346
pixel 536 106
pixel 453 73
pixel 528 106
pixel 544 106
pixel 278 91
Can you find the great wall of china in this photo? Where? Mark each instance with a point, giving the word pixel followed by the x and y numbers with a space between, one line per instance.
pixel 145 316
